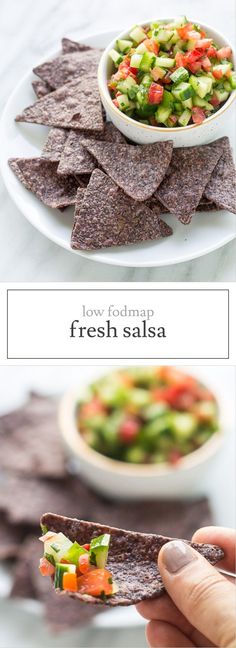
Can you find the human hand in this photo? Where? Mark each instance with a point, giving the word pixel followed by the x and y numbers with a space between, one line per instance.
pixel 199 609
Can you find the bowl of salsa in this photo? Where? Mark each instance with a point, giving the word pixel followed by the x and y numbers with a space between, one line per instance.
pixel 138 429
pixel 168 76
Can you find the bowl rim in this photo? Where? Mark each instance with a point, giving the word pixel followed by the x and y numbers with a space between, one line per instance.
pixel 75 442
pixel 106 98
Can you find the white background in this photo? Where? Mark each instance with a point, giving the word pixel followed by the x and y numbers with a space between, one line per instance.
pixel 21 629
pixel 27 30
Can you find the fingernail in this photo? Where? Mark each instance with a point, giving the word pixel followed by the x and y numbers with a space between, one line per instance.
pixel 176 555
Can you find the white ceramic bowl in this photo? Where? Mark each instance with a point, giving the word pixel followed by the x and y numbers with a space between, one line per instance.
pixel 122 480
pixel 212 127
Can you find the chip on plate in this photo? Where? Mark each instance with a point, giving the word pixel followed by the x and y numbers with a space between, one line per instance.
pixel 66 67
pixel 76 159
pixel 40 176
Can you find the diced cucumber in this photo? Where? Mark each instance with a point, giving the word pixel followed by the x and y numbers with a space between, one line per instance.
pixel 153 411
pixel 227 86
pixel 62 569
pixel 147 80
pixel 185 117
pixel 178 106
pixel 182 91
pixel 136 60
pixel 124 45
pixel 162 35
pixel 202 103
pixel 232 80
pixel 141 49
pixel 123 101
pixel 174 39
pixel 147 61
pixel 202 85
pixel 135 455
pixel 191 44
pixel 164 62
pixel 179 46
pixel 57 546
pixel 99 550
pixel 73 554
pixel 116 57
pixel 222 67
pixel 184 424
pixel 205 411
pixel 179 75
pixel 221 95
pixel 138 34
pixel 188 103
pixel 180 22
pixel 125 84
pixel 167 100
pixel 139 397
pixel 162 114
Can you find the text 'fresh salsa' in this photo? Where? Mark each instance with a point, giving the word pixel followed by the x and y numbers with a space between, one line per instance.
pixel 78 568
pixel 170 74
pixel 147 415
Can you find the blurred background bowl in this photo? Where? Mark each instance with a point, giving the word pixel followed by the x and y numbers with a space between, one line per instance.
pixel 214 126
pixel 122 480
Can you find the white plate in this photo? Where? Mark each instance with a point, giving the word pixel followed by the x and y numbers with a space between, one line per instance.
pixel 206 233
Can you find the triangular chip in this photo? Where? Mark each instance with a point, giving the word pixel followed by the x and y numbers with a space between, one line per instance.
pixel 188 174
pixel 108 217
pixel 74 105
pixel 69 46
pixel 40 177
pixel 132 558
pixel 54 144
pixel 138 170
pixel 221 187
pixel 66 67
pixel 76 159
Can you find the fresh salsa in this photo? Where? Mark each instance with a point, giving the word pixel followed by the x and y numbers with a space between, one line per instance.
pixel 170 74
pixel 75 567
pixel 147 415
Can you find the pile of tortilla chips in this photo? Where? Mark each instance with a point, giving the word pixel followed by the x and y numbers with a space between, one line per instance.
pixel 34 477
pixel 119 189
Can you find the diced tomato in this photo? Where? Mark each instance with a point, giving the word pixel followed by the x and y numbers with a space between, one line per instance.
pixel 183 31
pixel 126 380
pixel 202 33
pixel 64 561
pixel 204 43
pixel 84 564
pixel 174 457
pixel 86 546
pixel 228 73
pixel 179 397
pixel 211 51
pixel 95 406
pixel 214 101
pixel 206 64
pixel 114 80
pixel 218 74
pixel 151 45
pixel 118 93
pixel 203 394
pixel 124 68
pixel 47 536
pixel 166 79
pixel 180 59
pixel 224 53
pixel 195 67
pixel 155 93
pixel 46 568
pixel 198 115
pixel 115 102
pixel 194 55
pixel 173 376
pixel 69 582
pixel 129 429
pixel 95 583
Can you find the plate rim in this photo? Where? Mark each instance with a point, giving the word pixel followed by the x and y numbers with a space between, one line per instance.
pixel 95 256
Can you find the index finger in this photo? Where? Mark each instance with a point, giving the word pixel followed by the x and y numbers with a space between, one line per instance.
pixel 225 538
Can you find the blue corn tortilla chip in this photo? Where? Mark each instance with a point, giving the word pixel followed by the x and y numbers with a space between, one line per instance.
pixel 132 558
pixel 76 159
pixel 69 46
pixel 74 105
pixel 108 217
pixel 138 170
pixel 187 177
pixel 40 176
pixel 41 88
pixel 221 188
pixel 66 67
pixel 54 144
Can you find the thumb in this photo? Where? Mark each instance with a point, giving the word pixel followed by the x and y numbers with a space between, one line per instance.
pixel 203 595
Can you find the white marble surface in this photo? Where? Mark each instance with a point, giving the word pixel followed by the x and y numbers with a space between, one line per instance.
pixel 22 628
pixel 27 30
